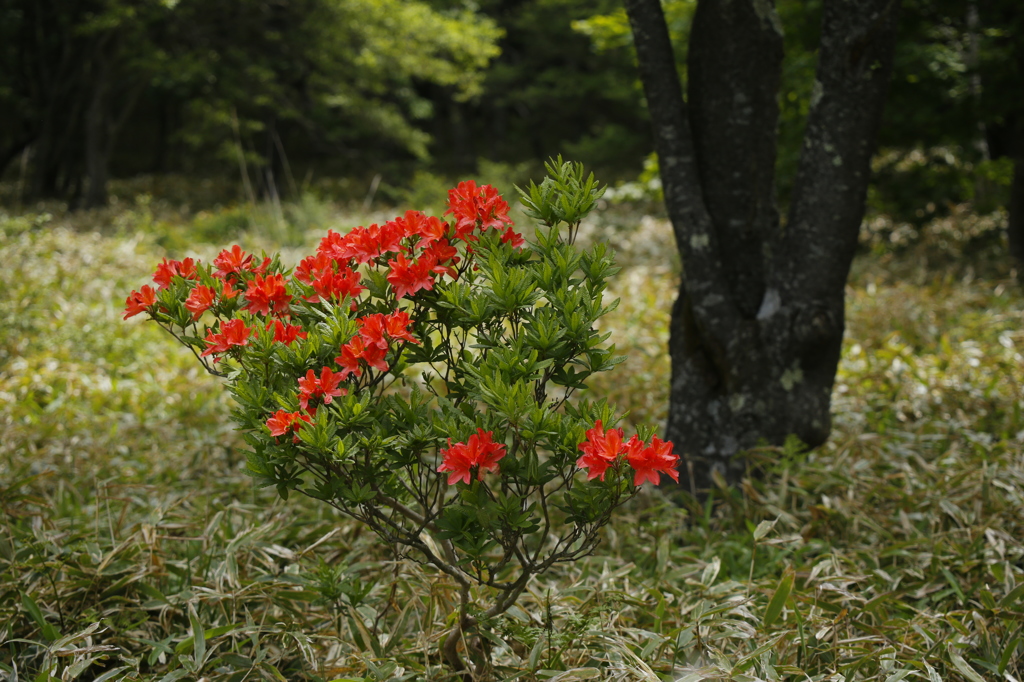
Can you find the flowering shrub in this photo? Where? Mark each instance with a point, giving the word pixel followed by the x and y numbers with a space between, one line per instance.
pixel 417 376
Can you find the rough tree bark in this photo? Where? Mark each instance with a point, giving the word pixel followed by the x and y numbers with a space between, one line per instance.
pixel 758 323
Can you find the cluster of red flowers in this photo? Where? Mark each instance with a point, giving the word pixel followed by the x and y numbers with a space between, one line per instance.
pixel 234 261
pixel 602 448
pixel 480 208
pixel 266 294
pixel 286 333
pixel 229 263
pixel 324 387
pixel 371 345
pixel 169 269
pixel 232 333
pixel 480 452
pixel 415 249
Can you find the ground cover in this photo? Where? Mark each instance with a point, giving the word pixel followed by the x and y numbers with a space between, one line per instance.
pixel 133 546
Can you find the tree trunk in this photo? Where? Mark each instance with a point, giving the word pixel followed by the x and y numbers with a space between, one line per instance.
pixel 758 323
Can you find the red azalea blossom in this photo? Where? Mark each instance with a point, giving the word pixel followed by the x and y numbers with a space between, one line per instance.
pixel 232 261
pixel 444 256
pixel 229 291
pixel 168 269
pixel 232 333
pixel 326 387
pixel 367 243
pixel 374 357
pixel 335 247
pixel 139 301
pixel 407 277
pixel 600 450
pixel 267 293
pixel 286 333
pixel 349 358
pixel 472 206
pixel 512 237
pixel 200 300
pixel 429 228
pixel 336 285
pixel 651 461
pixel 357 349
pixel 284 422
pixel 314 267
pixel 371 328
pixel 596 466
pixel 480 451
pixel 396 326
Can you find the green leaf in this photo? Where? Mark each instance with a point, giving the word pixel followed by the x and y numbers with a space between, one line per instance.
pixel 1008 652
pixel 955 584
pixel 49 632
pixel 778 600
pixel 965 669
pixel 710 572
pixel 198 636
pixel 763 529
pixel 1013 596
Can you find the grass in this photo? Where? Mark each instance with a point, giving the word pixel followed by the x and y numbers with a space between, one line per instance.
pixel 134 547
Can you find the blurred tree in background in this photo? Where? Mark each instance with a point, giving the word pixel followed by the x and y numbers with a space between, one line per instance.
pixel 954 129
pixel 258 88
pixel 237 78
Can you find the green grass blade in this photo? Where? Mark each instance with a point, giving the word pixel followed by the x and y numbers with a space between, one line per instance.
pixel 778 600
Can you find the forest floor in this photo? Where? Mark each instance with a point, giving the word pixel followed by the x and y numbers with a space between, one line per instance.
pixel 133 546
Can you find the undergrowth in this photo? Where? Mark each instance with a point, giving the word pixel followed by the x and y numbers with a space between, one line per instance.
pixel 133 547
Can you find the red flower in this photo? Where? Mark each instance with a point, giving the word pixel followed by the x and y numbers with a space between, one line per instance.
pixel 600 450
pixel 429 229
pixel 513 237
pixel 139 301
pixel 200 300
pixel 408 277
pixel 480 451
pixel 229 291
pixel 267 293
pixel 169 269
pixel 232 333
pixel 474 206
pixel 357 349
pixel 286 333
pixel 349 358
pixel 326 387
pixel 363 244
pixel 232 261
pixel 371 328
pixel 396 326
pixel 335 247
pixel 652 461
pixel 314 267
pixel 284 422
pixel 337 285
pixel 444 256
pixel 374 357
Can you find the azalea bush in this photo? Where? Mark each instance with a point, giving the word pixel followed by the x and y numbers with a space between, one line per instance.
pixel 417 377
